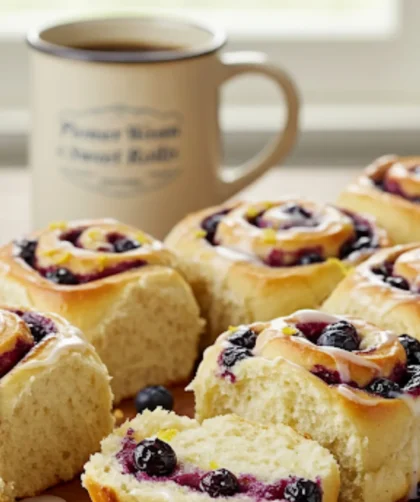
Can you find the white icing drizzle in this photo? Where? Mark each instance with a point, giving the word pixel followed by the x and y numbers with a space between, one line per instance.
pixel 347 392
pixel 308 315
pixel 60 344
pixel 235 255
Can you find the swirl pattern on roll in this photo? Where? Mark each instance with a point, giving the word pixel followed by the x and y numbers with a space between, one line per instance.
pixel 341 350
pixel 83 251
pixel 293 232
pixel 398 176
pixel 24 331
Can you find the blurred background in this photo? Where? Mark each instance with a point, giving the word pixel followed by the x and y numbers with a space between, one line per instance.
pixel 355 62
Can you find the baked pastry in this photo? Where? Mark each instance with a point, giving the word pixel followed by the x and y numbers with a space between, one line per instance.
pixel 160 456
pixel 384 290
pixel 339 379
pixel 120 287
pixel 389 189
pixel 241 258
pixel 55 401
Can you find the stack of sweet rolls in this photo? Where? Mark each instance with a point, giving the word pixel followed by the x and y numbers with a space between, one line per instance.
pixel 350 385
pixel 255 261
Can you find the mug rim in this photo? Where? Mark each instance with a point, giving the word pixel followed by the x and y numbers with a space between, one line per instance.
pixel 218 40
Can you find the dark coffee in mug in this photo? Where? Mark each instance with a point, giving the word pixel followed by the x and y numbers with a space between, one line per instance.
pixel 124 46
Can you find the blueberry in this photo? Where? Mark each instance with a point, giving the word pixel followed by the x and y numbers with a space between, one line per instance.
pixel 411 347
pixel 123 245
pixel 362 229
pixel 219 483
pixel 362 243
pixel 150 398
pixel 296 210
pixel 309 258
pixel 383 387
pixel 341 334
pixel 302 490
pixel 233 355
pixel 27 250
pixel 384 269
pixel 62 275
pixel 210 225
pixel 155 457
pixel 397 282
pixel 40 326
pixel 413 384
pixel 243 337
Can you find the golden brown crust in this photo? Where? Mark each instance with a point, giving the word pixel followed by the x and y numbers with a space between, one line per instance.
pixel 364 293
pixel 112 310
pixel 398 215
pixel 99 493
pixel 61 372
pixel 234 286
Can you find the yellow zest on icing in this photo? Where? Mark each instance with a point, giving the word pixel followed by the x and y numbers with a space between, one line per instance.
pixel 57 225
pixel 141 238
pixel 57 255
pixel 93 234
pixel 289 330
pixel 232 328
pixel 213 465
pixel 345 269
pixel 167 434
pixel 200 234
pixel 62 258
pixel 251 212
pixel 101 262
pixel 269 236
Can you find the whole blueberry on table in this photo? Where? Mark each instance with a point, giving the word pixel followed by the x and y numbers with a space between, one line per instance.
pixel 151 397
pixel 302 490
pixel 219 483
pixel 155 457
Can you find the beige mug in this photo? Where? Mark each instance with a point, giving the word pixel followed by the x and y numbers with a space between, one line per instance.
pixel 125 120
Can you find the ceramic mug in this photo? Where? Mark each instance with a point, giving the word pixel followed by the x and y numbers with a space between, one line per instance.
pixel 125 120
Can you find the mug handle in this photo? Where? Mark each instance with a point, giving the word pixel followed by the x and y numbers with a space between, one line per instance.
pixel 237 63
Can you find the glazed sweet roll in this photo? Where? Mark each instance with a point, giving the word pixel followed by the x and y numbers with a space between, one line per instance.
pixel 159 457
pixel 55 401
pixel 120 286
pixel 255 261
pixel 351 386
pixel 384 290
pixel 389 189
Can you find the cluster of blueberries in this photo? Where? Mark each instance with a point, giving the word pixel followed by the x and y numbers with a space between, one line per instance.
pixel 157 459
pixel 342 335
pixel 363 238
pixel 62 275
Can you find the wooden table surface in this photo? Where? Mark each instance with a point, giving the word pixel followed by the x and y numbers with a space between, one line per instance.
pixel 319 183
